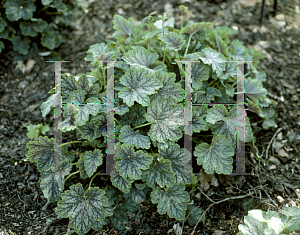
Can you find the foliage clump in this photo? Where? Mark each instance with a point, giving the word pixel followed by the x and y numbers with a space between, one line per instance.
pixel 25 22
pixel 149 82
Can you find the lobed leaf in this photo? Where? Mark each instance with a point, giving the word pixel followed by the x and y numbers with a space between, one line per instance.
pixel 159 172
pixel 213 58
pixel 131 163
pixel 166 118
pixel 173 40
pixel 215 157
pixel 19 9
pixel 171 201
pixel 170 89
pixel 84 208
pixel 138 86
pixel 129 136
pixel 194 28
pixel 33 28
pixel 92 160
pixel 139 57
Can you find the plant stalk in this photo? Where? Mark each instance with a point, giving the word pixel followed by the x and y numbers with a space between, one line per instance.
pixel 187 47
pixel 147 124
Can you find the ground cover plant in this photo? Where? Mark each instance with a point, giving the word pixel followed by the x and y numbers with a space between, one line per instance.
pixel 149 118
pixel 30 25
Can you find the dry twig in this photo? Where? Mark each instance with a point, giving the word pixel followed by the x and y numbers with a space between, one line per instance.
pixel 272 141
pixel 215 203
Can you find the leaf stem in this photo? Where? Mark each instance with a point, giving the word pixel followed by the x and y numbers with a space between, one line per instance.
pixel 181 70
pixel 94 178
pixel 147 124
pixel 181 22
pixel 187 47
pixel 92 144
pixel 73 142
pixel 164 56
pixel 74 173
pixel 104 77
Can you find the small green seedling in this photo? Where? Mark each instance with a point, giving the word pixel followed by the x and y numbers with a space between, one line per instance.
pixel 34 131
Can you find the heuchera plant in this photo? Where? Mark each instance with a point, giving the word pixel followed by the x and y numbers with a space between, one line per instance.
pixel 23 20
pixel 150 160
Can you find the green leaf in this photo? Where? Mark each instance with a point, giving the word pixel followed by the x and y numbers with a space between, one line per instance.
pixel 83 208
pixel 44 129
pixel 32 131
pixel 3 24
pixel 121 182
pixel 271 116
pixel 198 122
pixel 209 96
pixel 139 57
pixel 52 183
pixel 138 86
pixel 237 50
pixel 171 201
pixel 223 48
pixel 215 157
pixel 254 89
pixel 4 35
pixel 1 46
pixel 83 112
pixel 136 195
pixel 262 76
pixel 122 109
pixel 213 58
pixel 174 41
pixel 253 106
pixel 97 50
pixel 69 156
pixel 149 37
pixel 51 39
pixel 179 162
pixel 92 160
pixel 135 116
pixel 293 214
pixel 195 215
pixel 100 125
pixel 184 10
pixel 21 45
pixel 166 118
pixel 119 220
pixel 46 2
pixel 200 72
pixel 42 152
pixel 81 168
pixel 159 172
pixel 19 9
pixel 68 84
pixel 129 162
pixel 252 226
pixel 33 28
pixel 227 123
pixel 193 28
pixel 230 70
pixel 47 105
pixel 170 89
pixel 129 136
pixel 124 27
pixel 230 90
pixel 67 125
pixel 94 129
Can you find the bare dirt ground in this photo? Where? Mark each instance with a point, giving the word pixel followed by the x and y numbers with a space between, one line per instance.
pixel 274 184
